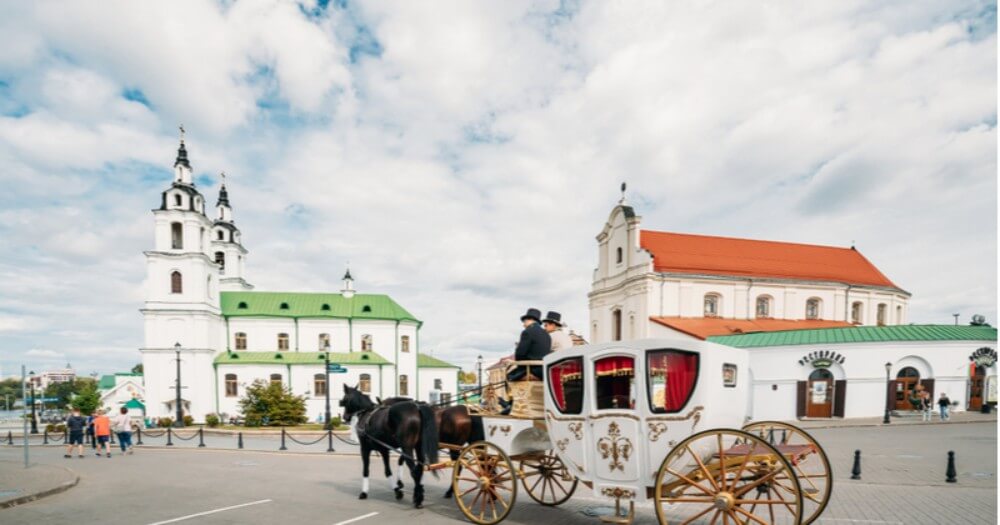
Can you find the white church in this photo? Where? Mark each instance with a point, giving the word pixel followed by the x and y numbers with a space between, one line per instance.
pixel 199 306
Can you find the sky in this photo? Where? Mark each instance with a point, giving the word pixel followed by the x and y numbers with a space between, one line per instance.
pixel 462 156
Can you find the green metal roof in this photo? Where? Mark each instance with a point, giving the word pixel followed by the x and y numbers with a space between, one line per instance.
pixel 135 403
pixel 318 305
pixel 106 382
pixel 426 361
pixel 859 334
pixel 298 358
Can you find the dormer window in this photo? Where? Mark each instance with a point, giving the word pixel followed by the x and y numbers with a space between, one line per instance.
pixel 366 309
pixel 177 199
pixel 284 306
pixel 325 307
pixel 242 305
pixel 764 306
pixel 220 235
pixel 711 308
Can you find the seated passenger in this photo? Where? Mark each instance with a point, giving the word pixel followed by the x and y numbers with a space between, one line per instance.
pixel 534 345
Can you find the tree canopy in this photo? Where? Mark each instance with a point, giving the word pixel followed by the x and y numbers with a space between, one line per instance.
pixel 87 399
pixel 272 404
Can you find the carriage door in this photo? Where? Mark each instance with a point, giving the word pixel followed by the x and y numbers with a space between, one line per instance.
pixel 906 383
pixel 614 425
pixel 820 394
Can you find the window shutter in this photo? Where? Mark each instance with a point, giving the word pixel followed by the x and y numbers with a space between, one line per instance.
pixel 800 404
pixel 839 397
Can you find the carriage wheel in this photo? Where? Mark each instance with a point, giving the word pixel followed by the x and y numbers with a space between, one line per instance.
pixel 727 476
pixel 547 479
pixel 484 483
pixel 812 468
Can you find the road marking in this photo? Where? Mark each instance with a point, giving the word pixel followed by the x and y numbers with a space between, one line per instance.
pixel 352 520
pixel 207 512
pixel 862 521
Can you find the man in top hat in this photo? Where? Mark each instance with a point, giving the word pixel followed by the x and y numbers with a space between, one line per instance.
pixel 534 345
pixel 553 325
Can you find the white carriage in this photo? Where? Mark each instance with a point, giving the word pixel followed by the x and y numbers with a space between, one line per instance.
pixel 650 420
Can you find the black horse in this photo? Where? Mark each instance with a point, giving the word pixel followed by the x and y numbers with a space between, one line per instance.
pixel 406 426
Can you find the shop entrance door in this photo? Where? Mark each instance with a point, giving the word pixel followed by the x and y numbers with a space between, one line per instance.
pixel 820 394
pixel 906 382
pixel 977 389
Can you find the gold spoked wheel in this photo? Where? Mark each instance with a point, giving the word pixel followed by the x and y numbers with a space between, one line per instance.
pixel 484 483
pixel 809 463
pixel 727 476
pixel 547 479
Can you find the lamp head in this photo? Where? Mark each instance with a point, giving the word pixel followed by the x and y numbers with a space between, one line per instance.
pixel 177 346
pixel 888 366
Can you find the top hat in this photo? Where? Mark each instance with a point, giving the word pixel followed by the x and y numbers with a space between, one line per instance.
pixel 532 313
pixel 554 318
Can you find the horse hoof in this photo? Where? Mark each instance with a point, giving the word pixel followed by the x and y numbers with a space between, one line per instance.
pixel 399 494
pixel 418 505
pixel 447 495
pixel 364 495
pixel 399 485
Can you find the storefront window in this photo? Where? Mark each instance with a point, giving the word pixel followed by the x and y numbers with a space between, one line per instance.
pixel 566 385
pixel 672 375
pixel 615 378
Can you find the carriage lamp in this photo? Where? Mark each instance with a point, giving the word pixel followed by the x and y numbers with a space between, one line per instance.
pixel 888 394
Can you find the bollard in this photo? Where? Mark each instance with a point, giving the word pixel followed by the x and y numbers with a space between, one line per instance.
pixel 45 437
pixel 201 437
pixel 65 435
pixel 329 440
pixel 170 443
pixel 239 440
pixel 283 447
pixel 950 473
pixel 10 438
pixel 856 471
pixel 138 435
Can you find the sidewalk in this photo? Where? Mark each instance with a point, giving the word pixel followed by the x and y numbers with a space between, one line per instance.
pixel 19 485
pixel 901 418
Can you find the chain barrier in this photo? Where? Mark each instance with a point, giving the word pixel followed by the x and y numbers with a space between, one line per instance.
pixel 154 435
pixel 182 438
pixel 321 438
pixel 348 441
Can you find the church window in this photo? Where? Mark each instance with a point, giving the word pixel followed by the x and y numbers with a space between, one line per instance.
pixel 404 343
pixel 284 306
pixel 177 199
pixel 857 312
pixel 404 385
pixel 324 342
pixel 438 384
pixel 365 383
pixel 282 341
pixel 232 388
pixel 276 379
pixel 616 325
pixel 319 384
pixel 764 306
pixel 241 341
pixel 220 235
pixel 712 305
pixel 176 236
pixel 813 308
pixel 201 240
pixel 220 259
pixel 366 343
pixel 176 284
pixel 880 314
pixel 618 256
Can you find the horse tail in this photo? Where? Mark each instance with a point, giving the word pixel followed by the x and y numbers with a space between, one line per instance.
pixel 428 436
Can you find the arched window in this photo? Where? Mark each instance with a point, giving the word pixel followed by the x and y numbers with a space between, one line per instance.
pixel 813 306
pixel 319 384
pixel 366 343
pixel 618 256
pixel 820 374
pixel 404 385
pixel 176 236
pixel 241 341
pixel 324 341
pixel 438 384
pixel 764 306
pixel 232 387
pixel 880 314
pixel 220 235
pixel 616 325
pixel 176 282
pixel 404 343
pixel 899 314
pixel 365 383
pixel 282 341
pixel 276 379
pixel 220 259
pixel 857 312
pixel 712 301
pixel 177 199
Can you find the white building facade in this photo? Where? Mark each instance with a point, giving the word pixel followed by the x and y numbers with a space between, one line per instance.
pixel 201 310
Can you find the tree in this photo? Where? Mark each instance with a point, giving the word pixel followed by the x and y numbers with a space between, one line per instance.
pixel 65 391
pixel 468 378
pixel 272 404
pixel 10 389
pixel 137 369
pixel 88 399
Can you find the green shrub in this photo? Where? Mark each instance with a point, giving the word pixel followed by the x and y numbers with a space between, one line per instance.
pixel 212 420
pixel 272 404
pixel 335 422
pixel 188 420
pixel 165 422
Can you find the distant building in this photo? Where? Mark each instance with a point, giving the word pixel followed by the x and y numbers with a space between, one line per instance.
pixel 49 377
pixel 123 389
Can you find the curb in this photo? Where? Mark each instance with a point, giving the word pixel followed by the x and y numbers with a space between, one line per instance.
pixel 27 498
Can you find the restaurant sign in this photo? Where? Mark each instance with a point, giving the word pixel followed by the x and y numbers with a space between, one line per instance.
pixel 985 357
pixel 821 359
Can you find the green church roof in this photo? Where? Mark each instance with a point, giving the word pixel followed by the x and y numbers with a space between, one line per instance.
pixel 426 361
pixel 316 305
pixel 135 403
pixel 298 358
pixel 859 334
pixel 107 382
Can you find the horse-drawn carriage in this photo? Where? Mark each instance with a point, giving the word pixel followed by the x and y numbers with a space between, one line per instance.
pixel 651 420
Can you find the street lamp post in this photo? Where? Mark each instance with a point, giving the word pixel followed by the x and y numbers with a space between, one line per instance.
pixel 34 420
pixel 326 362
pixel 179 423
pixel 888 395
pixel 479 368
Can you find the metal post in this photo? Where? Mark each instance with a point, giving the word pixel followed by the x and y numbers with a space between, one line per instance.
pixel 201 438
pixel 283 447
pixel 329 440
pixel 239 440
pixel 170 442
pixel 10 438
pixel 950 473
pixel 138 435
pixel 856 470
pixel 326 361
pixel 45 436
pixel 888 394
pixel 24 414
pixel 34 421
pixel 479 368
pixel 180 410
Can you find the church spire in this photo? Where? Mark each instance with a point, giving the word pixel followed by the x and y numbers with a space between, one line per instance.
pixel 348 290
pixel 182 167
pixel 223 207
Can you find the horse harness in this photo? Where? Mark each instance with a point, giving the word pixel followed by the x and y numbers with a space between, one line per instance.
pixel 361 428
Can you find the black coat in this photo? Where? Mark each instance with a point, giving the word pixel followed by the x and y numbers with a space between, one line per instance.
pixel 534 345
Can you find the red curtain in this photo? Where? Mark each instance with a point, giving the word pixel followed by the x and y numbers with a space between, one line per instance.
pixel 679 371
pixel 615 366
pixel 559 374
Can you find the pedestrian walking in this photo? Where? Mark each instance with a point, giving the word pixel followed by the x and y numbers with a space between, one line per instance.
pixel 75 425
pixel 90 431
pixel 944 404
pixel 102 431
pixel 926 406
pixel 123 428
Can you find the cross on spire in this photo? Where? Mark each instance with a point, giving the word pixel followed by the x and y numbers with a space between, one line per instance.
pixel 223 194
pixel 622 201
pixel 181 127
pixel 182 154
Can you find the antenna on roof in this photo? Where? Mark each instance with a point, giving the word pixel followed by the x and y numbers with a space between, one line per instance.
pixel 622 201
pixel 852 245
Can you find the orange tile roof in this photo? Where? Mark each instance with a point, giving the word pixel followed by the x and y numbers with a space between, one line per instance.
pixel 703 254
pixel 704 327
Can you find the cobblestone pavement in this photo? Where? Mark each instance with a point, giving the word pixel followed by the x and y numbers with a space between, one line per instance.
pixel 902 482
